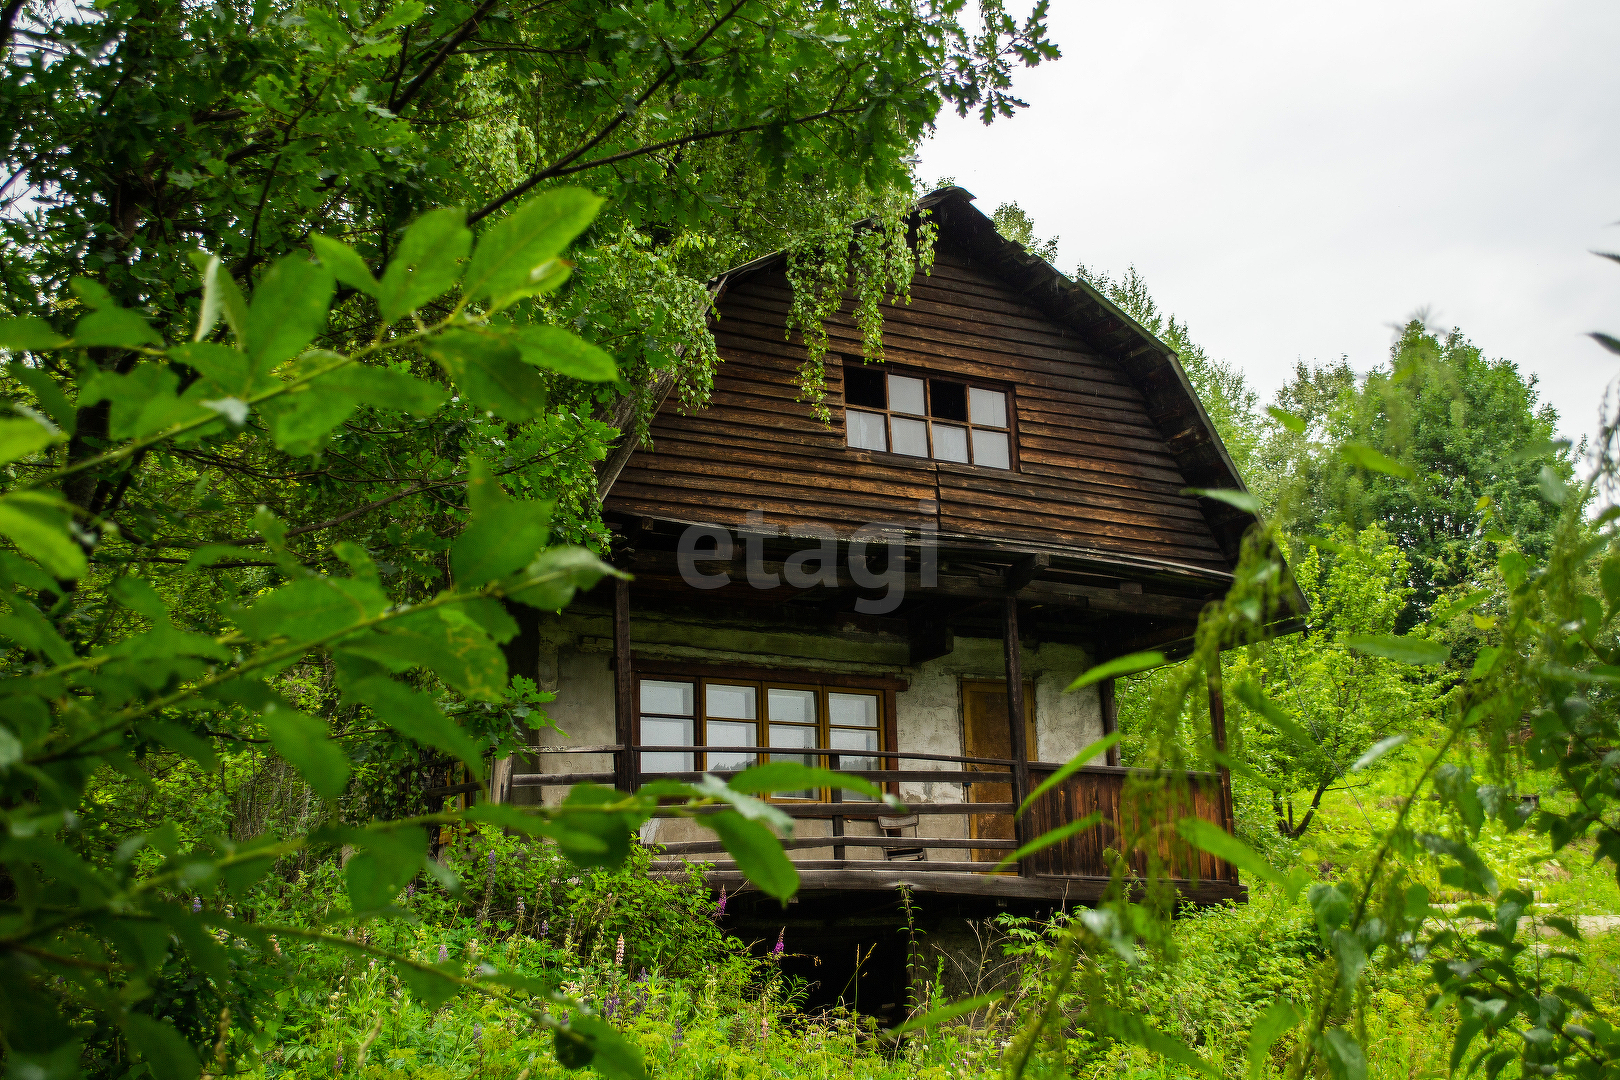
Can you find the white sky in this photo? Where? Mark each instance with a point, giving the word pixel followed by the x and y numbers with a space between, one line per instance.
pixel 1293 179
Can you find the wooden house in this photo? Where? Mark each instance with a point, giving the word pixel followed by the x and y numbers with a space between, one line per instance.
pixel 998 506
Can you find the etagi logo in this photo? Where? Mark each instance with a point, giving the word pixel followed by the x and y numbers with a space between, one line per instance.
pixel 876 560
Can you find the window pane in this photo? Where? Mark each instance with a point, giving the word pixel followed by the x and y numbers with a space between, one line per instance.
pixel 864 430
pixel 790 706
pixel 731 733
pixel 906 395
pixel 855 740
pixel 950 443
pixel 989 407
pixel 853 710
pixel 674 698
pixel 796 738
pixel 910 436
pixel 947 400
pixel 731 702
pixel 990 448
pixel 659 732
pixel 864 386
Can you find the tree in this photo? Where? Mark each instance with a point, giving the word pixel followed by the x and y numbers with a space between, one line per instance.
pixel 1436 438
pixel 1012 222
pixel 1318 703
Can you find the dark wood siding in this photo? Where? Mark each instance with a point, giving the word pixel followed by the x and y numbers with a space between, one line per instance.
pixel 1091 469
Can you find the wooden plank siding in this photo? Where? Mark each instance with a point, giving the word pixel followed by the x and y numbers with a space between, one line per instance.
pixel 1091 469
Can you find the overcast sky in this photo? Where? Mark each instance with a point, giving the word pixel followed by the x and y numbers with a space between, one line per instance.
pixel 1293 179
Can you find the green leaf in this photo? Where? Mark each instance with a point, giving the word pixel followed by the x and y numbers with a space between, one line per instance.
pixel 431 987
pixel 1459 606
pixel 28 333
pixel 20 438
pixel 51 398
pixel 1366 457
pixel 582 812
pixel 1288 420
pixel 38 524
pixel 1377 750
pixel 401 14
pixel 427 263
pixel 302 741
pixel 384 388
pixel 1474 875
pixel 1552 486
pixel 1072 766
pixel 1255 701
pixel 1131 1028
pixel 1416 651
pixel 1120 665
pixel 490 372
pixel 302 421
pixel 1610 343
pixel 1344 1056
pixel 1243 500
pixel 311 609
pixel 288 310
pixel 165 1050
pixel 555 349
pixel 414 715
pixel 792 776
pixel 1609 578
pixel 935 1017
pixel 1208 837
pixel 345 263
pixel 758 853
pixel 550 581
pixel 182 741
pixel 1053 836
pixel 610 1053
pixel 1279 1018
pixel 388 859
pixel 511 255
pixel 500 541
pixel 448 643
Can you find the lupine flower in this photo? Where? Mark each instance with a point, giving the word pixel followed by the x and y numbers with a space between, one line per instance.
pixel 680 1034
pixel 618 953
pixel 777 951
pixel 196 904
pixel 610 1006
pixel 545 927
pixel 764 1027
pixel 340 1061
pixel 410 890
pixel 444 953
pixel 478 1034
pixel 492 860
pixel 721 910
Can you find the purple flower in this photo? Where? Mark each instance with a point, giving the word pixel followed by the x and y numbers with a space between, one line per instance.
pixel 444 953
pixel 721 910
pixel 410 890
pixel 478 1033
pixel 196 904
pixel 340 1061
pixel 618 953
pixel 777 951
pixel 610 1006
pixel 680 1035
pixel 492 860
pixel 545 927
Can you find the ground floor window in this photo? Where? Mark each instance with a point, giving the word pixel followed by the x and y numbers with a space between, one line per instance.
pixel 749 722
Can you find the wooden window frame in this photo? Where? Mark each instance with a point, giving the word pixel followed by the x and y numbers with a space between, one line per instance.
pixel 763 680
pixel 927 377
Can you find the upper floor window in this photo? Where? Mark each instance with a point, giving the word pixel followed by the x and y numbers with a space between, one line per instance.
pixel 926 417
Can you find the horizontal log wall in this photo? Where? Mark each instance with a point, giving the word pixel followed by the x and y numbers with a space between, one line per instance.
pixel 1091 470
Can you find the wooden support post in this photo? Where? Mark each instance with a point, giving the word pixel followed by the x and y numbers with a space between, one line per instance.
pixel 1015 721
pixel 626 765
pixel 1217 726
pixel 1110 718
pixel 837 796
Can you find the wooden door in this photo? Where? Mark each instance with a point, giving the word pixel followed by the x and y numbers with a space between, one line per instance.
pixel 986 734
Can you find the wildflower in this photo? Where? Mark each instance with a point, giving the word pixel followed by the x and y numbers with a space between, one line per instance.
pixel 777 951
pixel 340 1061
pixel 721 909
pixel 610 1006
pixel 492 862
pixel 410 890
pixel 478 1035
pixel 545 927
pixel 196 904
pixel 618 953
pixel 680 1035
pixel 444 953
pixel 764 1028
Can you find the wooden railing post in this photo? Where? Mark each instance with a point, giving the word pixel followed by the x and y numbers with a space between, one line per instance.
pixel 1217 727
pixel 1110 718
pixel 836 796
pixel 625 763
pixel 1015 720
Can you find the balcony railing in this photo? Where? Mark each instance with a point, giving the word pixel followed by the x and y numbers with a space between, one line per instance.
pixel 988 836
